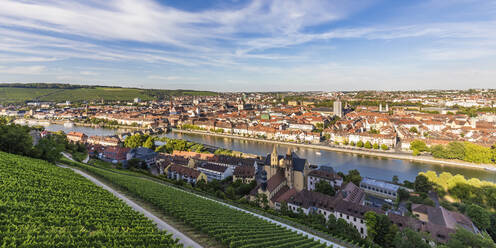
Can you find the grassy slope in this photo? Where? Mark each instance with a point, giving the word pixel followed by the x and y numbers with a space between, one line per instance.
pixel 95 94
pixel 21 95
pixel 16 95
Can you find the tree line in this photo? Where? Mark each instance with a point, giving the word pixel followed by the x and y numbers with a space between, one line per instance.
pixel 473 197
pixel 27 141
pixel 466 151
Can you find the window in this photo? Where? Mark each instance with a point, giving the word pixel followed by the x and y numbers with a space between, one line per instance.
pixel 354 218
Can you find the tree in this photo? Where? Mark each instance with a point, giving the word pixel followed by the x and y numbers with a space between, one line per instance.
pixel 463 238
pixel 493 151
pixel 359 143
pixel 15 139
pixel 415 152
pixel 149 143
pixel 135 163
pixel 49 148
pixel 368 145
pixel 354 177
pixel 413 130
pixel 396 179
pixel 230 193
pixel 375 146
pixel 379 228
pixel 352 143
pixel 384 147
pixel 492 228
pixel 324 187
pixel 374 131
pixel 476 153
pixel 455 150
pixel 265 201
pixel 409 239
pixel 284 208
pixel 403 194
pixel 438 151
pixel 418 145
pixel 422 184
pixel 480 217
pixel 134 141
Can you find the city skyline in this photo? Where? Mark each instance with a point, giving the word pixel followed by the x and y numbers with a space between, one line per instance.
pixel 251 45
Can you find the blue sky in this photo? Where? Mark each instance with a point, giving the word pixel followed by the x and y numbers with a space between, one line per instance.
pixel 258 45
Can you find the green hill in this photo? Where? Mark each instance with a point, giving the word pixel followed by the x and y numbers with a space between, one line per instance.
pixel 21 93
pixel 42 205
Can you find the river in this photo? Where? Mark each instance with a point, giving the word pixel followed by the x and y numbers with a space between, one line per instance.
pixel 90 131
pixel 380 168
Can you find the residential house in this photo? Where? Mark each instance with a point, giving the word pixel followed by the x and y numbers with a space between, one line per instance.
pixel 244 173
pixel 316 176
pixel 142 153
pixel 77 137
pixel 215 171
pixel 115 154
pixel 187 174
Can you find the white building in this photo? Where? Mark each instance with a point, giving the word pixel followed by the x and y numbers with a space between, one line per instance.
pixel 314 202
pixel 320 175
pixel 338 109
pixel 214 171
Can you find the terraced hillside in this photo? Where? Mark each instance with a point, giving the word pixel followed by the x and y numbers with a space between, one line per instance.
pixel 20 94
pixel 231 227
pixel 42 205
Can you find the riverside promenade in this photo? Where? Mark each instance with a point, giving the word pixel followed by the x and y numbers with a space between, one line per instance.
pixel 358 151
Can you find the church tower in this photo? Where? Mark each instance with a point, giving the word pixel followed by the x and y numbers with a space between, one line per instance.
pixel 288 170
pixel 274 161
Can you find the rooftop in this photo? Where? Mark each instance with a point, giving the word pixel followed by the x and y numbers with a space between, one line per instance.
pixel 379 184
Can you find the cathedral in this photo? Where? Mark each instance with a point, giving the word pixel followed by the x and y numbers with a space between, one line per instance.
pixel 282 174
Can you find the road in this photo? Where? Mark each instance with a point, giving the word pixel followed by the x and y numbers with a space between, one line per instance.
pixel 183 239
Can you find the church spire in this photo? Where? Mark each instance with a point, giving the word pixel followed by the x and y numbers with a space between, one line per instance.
pixel 274 158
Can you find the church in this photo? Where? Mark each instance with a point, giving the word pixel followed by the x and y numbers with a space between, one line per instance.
pixel 282 176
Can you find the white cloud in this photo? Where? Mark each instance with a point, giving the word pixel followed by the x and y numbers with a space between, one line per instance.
pixel 171 78
pixel 22 70
pixel 89 73
pixel 245 39
pixel 15 59
pixel 149 22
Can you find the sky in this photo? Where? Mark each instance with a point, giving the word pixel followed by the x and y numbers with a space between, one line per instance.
pixel 252 45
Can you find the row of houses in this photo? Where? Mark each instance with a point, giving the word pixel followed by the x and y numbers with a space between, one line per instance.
pixel 260 131
pixel 109 149
pixel 437 222
pixel 192 170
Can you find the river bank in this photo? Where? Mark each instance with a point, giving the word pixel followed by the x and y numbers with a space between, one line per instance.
pixel 82 124
pixel 390 155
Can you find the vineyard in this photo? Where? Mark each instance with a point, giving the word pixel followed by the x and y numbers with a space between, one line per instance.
pixel 230 227
pixel 42 205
